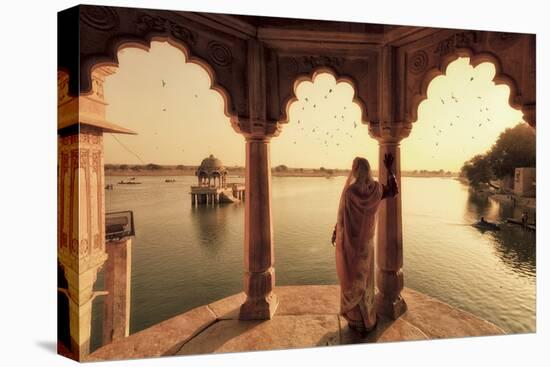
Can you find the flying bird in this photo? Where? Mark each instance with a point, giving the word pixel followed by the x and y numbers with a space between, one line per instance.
pixel 196 96
pixel 442 101
pixel 314 105
pixel 307 99
pixel 163 83
pixel 164 109
pixel 330 90
pixel 471 78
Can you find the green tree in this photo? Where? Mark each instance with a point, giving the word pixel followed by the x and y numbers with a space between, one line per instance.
pixel 515 147
pixel 477 170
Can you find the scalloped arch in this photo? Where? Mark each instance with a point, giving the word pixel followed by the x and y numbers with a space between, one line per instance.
pixel 145 45
pixel 514 100
pixel 311 78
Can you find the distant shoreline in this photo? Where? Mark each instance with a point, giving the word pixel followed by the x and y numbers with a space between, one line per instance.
pixel 241 173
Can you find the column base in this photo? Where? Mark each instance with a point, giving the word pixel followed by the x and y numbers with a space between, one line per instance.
pixel 392 308
pixel 259 309
pixel 79 352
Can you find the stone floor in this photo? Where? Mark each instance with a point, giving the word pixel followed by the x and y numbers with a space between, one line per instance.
pixel 307 316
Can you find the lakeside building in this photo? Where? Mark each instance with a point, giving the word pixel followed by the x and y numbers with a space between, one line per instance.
pixel 213 187
pixel 525 181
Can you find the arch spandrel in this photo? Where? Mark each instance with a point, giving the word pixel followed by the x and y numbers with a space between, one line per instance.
pixel 358 71
pixel 104 30
pixel 511 53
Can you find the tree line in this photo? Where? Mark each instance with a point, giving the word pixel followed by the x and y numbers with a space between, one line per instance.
pixel 515 147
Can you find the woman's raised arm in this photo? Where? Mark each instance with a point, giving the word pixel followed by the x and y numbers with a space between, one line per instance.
pixel 391 189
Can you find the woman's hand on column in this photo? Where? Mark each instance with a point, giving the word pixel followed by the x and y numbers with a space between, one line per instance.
pixel 388 161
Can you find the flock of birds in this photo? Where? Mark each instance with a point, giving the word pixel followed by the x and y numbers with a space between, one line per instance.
pixel 483 109
pixel 328 137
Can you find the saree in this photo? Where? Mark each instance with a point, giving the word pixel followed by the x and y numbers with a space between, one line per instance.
pixel 355 229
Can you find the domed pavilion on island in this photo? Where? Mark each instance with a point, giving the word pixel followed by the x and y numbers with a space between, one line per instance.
pixel 213 187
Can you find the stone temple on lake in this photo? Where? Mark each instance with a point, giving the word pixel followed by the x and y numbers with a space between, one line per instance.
pixel 212 185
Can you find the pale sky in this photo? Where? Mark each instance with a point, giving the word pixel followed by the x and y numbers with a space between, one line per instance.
pixel 183 122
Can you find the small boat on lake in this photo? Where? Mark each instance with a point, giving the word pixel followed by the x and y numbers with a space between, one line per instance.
pixel 486 226
pixel 170 180
pixel 109 187
pixel 128 182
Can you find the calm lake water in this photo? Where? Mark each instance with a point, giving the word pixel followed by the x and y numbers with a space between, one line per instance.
pixel 184 257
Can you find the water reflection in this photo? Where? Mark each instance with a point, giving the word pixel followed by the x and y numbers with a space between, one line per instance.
pixel 516 248
pixel 513 245
pixel 185 256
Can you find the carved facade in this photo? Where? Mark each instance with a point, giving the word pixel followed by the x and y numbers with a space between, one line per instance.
pixel 255 62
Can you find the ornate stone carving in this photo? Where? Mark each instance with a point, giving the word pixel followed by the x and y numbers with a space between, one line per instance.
pixel 147 23
pixel 291 65
pixel 418 62
pixel 503 40
pixel 220 54
pixel 84 248
pixel 74 246
pixel 457 40
pixel 97 88
pixel 62 88
pixel 306 64
pixel 102 18
pixel 313 62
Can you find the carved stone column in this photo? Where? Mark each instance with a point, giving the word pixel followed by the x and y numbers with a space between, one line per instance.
pixel 81 202
pixel 116 307
pixel 81 226
pixel 389 247
pixel 259 274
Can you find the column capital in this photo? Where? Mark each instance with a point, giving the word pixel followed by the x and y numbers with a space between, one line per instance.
pixel 257 129
pixel 389 132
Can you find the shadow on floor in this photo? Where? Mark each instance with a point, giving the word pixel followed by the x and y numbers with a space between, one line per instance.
pixel 48 345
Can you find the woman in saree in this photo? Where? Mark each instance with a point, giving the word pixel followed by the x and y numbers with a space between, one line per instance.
pixel 354 239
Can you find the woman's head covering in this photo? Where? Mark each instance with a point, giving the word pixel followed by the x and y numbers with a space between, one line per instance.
pixel 361 171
